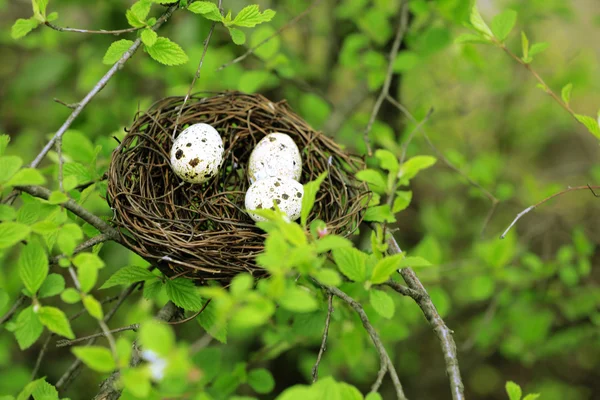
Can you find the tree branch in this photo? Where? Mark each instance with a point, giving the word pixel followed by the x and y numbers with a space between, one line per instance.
pixel 99 32
pixel 533 207
pixel 402 27
pixel 96 89
pixel 315 370
pixel 437 323
pixel 65 343
pixel 13 309
pixel 386 362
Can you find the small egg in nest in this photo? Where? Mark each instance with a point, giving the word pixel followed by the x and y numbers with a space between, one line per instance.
pixel 275 155
pixel 285 192
pixel 197 153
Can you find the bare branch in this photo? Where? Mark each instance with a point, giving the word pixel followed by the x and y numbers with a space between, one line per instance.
pixel 13 309
pixel 72 106
pixel 196 75
pixel 276 33
pixel 403 290
pixel 402 27
pixel 437 323
pixel 65 343
pixel 98 32
pixel 96 89
pixel 386 362
pixel 533 207
pixel 315 370
pixel 41 355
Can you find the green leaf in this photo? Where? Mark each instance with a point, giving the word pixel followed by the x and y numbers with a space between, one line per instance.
pixel 513 390
pixel 183 293
pixel 148 37
pixel 250 16
pixel 127 276
pixel 268 45
pixel 39 8
pixel 9 165
pixel 402 201
pixel 116 51
pixel 237 36
pixel 28 328
pixel 44 391
pixel 137 381
pixel 70 296
pixel 352 263
pixel 53 285
pixel 207 9
pixel 566 93
pixel 310 194
pixel 330 242
pixel 298 300
pixel 382 303
pixel 137 14
pixel 261 381
pixel 380 214
pixel 12 233
pixel 385 268
pixel 56 321
pixel 537 48
pixel 97 358
pixel 531 396
pixel 33 266
pixel 87 275
pixel 373 396
pixel 241 284
pixel 27 177
pixel 375 179
pixel 503 23
pixel 414 262
pixel 57 197
pixel 478 22
pixel 53 16
pixel 68 238
pixel 387 161
pixel 4 141
pixel 7 213
pixel 469 38
pixel 328 277
pixel 167 52
pixel 44 227
pixel 88 259
pixel 152 288
pixel 210 321
pixel 22 27
pixel 590 123
pixel 157 337
pixel 413 165
pixel 525 46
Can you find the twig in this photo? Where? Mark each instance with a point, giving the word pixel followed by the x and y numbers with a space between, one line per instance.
pixel 97 88
pixel 65 343
pixel 196 75
pixel 38 362
pixel 13 309
pixel 386 362
pixel 98 32
pixel 315 370
pixel 71 205
pixel 342 111
pixel 60 164
pixel 72 106
pixel 402 27
pixel 403 290
pixel 71 372
pixel 592 190
pixel 437 323
pixel 530 208
pixel 276 33
pixel 107 387
pixel 200 343
pixel 412 135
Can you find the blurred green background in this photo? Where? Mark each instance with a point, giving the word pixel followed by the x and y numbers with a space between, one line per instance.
pixel 526 308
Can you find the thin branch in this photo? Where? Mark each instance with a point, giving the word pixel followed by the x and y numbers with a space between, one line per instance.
pixel 386 362
pixel 200 343
pixel 97 88
pixel 403 290
pixel 533 207
pixel 60 164
pixel 276 33
pixel 402 27
pixel 71 205
pixel 98 32
pixel 13 309
pixel 345 109
pixel 72 106
pixel 437 323
pixel 315 370
pixel 38 362
pixel 65 343
pixel 196 75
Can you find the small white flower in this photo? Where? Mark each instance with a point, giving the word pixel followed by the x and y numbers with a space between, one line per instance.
pixel 157 364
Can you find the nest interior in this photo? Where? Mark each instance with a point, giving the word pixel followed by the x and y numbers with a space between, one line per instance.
pixel 201 231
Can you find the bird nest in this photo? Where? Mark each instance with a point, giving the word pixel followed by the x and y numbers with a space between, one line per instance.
pixel 201 231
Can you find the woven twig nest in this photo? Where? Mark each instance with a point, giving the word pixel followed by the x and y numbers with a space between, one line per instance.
pixel 201 231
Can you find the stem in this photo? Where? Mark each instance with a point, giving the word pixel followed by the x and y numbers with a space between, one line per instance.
pixel 315 370
pixel 99 32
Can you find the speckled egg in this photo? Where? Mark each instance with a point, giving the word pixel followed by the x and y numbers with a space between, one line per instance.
pixel 197 153
pixel 285 192
pixel 275 155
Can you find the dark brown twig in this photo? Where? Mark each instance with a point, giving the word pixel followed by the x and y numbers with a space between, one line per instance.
pixel 276 33
pixel 315 370
pixel 98 32
pixel 402 27
pixel 533 207
pixel 64 343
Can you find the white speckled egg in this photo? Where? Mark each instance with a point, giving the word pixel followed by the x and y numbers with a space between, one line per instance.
pixel 275 155
pixel 285 192
pixel 197 153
